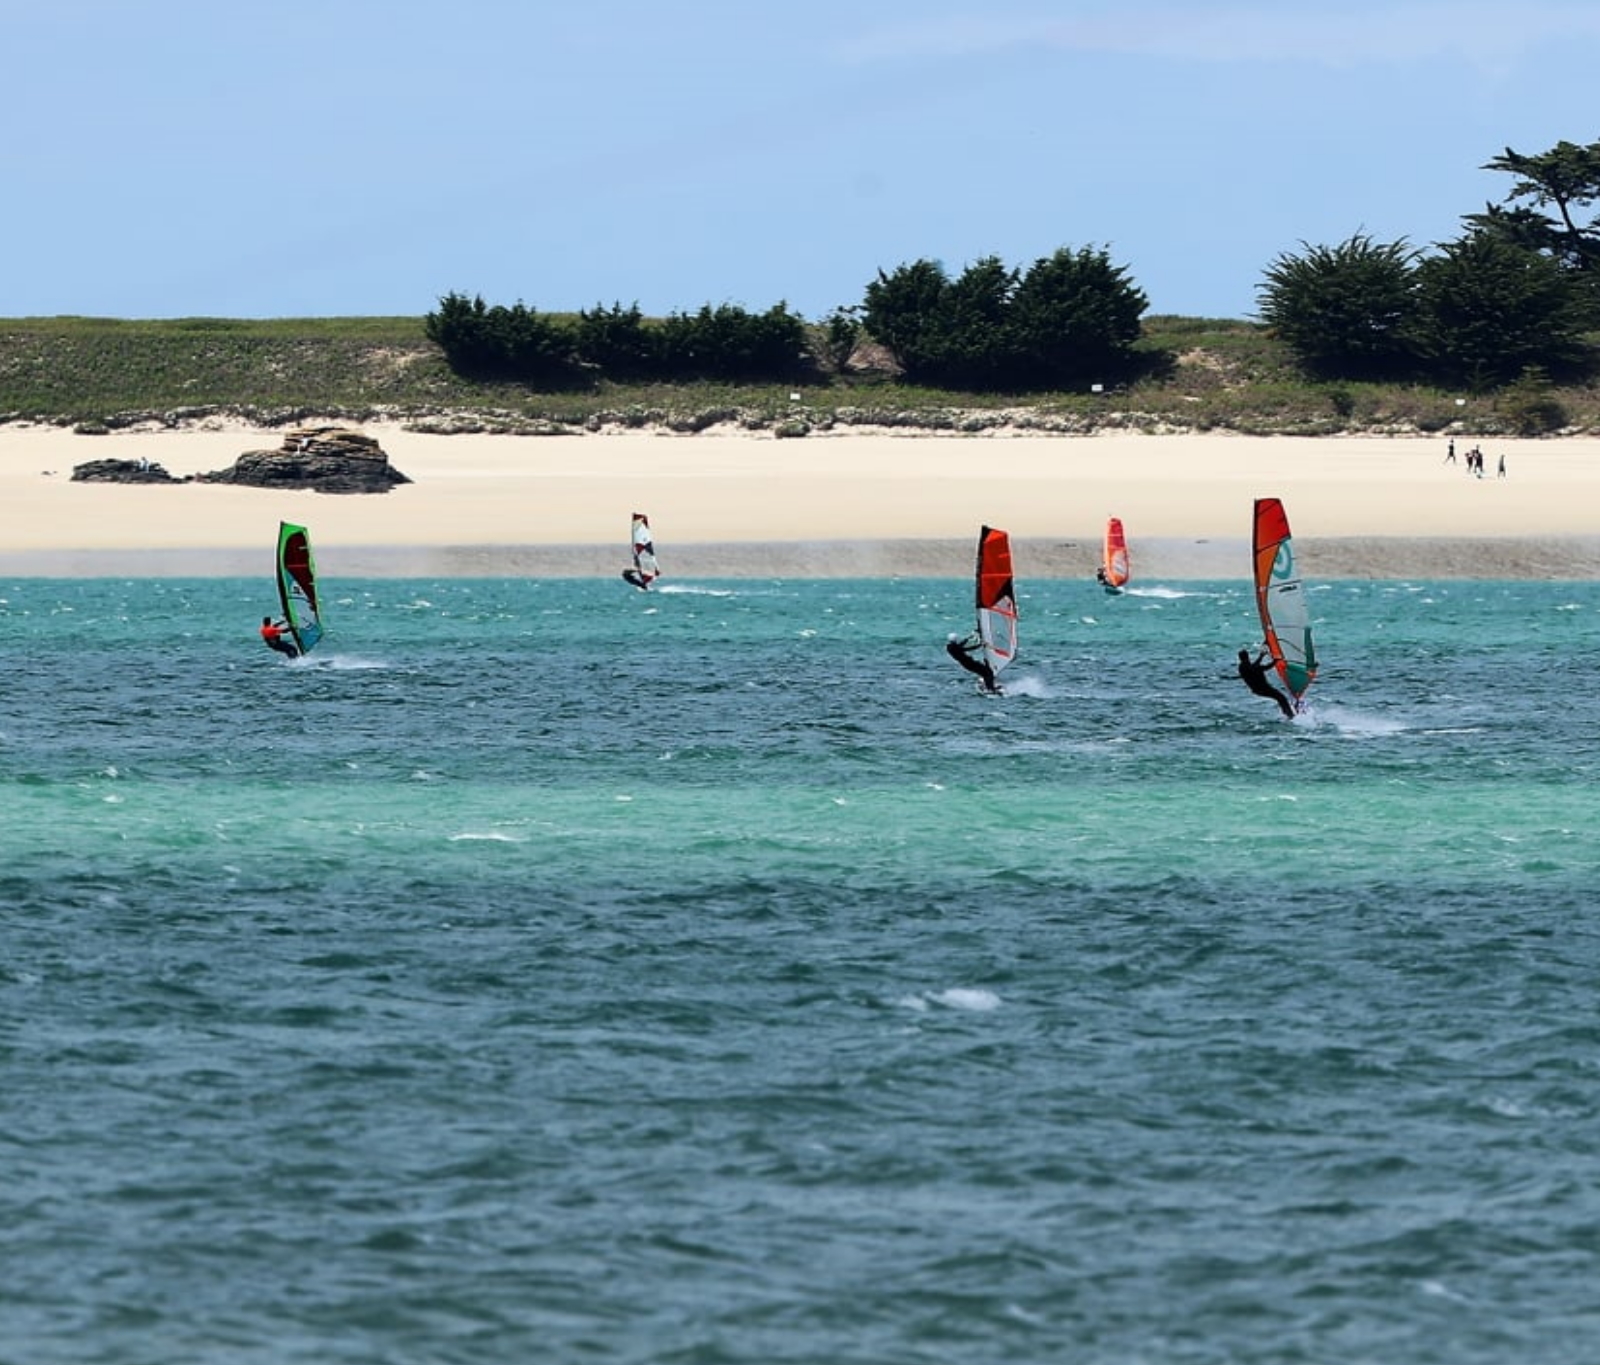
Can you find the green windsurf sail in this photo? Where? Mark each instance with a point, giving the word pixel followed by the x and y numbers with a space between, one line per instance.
pixel 297 586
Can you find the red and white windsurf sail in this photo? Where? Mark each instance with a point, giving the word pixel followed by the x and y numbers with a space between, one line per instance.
pixel 996 599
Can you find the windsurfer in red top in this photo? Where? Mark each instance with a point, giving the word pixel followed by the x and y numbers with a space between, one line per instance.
pixel 273 632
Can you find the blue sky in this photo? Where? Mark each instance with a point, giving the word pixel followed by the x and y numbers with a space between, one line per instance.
pixel 187 158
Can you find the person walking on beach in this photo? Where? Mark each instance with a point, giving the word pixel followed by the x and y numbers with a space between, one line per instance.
pixel 1500 469
pixel 1450 454
pixel 272 632
pixel 1254 673
pixel 963 652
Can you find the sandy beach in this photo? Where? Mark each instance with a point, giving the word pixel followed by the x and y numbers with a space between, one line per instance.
pixel 735 504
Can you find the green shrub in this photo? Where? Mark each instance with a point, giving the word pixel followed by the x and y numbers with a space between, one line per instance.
pixel 1531 407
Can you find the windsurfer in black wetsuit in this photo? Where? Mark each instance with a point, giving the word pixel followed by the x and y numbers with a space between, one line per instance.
pixel 962 651
pixel 273 632
pixel 1254 673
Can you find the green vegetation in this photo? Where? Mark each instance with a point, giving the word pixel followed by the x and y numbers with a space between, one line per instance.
pixel 1517 294
pixel 481 341
pixel 1199 374
pixel 1070 319
pixel 1344 311
pixel 1477 314
pixel 99 369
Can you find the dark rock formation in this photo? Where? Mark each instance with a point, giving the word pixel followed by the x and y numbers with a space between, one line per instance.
pixel 327 459
pixel 121 471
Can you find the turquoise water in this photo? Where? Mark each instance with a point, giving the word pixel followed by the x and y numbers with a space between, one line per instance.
pixel 549 971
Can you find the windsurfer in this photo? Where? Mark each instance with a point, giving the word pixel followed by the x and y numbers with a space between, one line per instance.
pixel 1254 673
pixel 962 651
pixel 637 579
pixel 273 633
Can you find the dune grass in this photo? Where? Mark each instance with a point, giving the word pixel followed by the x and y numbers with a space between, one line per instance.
pixel 1204 374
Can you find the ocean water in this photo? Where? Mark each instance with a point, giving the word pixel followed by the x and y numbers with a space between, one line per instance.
pixel 546 971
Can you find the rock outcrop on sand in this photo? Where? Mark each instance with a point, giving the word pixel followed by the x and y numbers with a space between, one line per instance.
pixel 326 459
pixel 121 471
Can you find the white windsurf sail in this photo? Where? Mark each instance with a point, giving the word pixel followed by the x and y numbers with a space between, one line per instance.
pixel 645 570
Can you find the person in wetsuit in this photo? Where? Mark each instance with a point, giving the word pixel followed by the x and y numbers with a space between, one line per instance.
pixel 1254 673
pixel 274 633
pixel 963 652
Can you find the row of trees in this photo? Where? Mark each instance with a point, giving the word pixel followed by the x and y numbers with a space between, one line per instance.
pixel 1480 312
pixel 1518 292
pixel 519 343
pixel 1071 317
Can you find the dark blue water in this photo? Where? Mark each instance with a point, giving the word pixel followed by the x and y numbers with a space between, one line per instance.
pixel 547 971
